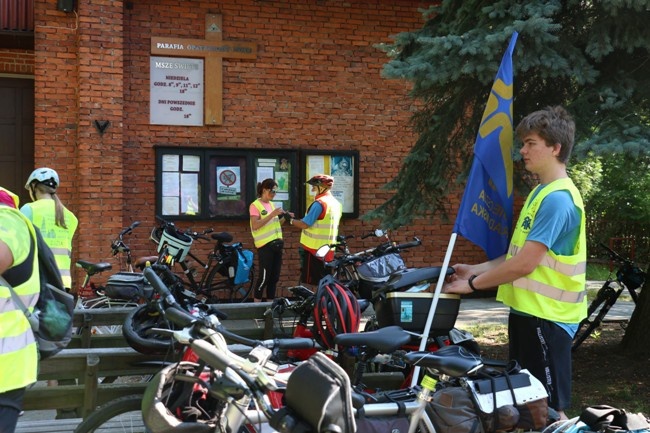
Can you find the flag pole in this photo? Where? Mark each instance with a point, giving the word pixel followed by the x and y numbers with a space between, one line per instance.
pixel 434 304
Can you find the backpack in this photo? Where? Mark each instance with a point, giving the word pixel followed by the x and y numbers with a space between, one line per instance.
pixel 51 320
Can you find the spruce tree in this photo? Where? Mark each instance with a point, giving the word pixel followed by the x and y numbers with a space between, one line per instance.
pixel 590 56
pixel 593 57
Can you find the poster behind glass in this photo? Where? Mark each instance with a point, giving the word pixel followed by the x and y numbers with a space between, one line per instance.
pixel 279 169
pixel 341 168
pixel 180 184
pixel 228 180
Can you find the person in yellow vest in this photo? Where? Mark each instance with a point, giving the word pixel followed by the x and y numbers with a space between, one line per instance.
pixel 320 226
pixel 542 276
pixel 266 227
pixel 56 223
pixel 18 351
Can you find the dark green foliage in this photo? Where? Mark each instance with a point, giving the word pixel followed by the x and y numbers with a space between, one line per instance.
pixel 590 56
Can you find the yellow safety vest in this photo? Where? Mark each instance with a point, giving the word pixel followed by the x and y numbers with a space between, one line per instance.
pixel 270 231
pixel 555 290
pixel 325 230
pixel 57 238
pixel 18 351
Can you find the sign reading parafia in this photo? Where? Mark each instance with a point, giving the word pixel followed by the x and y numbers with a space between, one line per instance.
pixel 176 91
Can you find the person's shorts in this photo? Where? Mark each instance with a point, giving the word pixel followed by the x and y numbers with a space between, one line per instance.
pixel 544 348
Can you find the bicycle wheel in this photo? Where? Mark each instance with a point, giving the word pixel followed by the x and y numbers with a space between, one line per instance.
pixel 220 289
pixel 606 298
pixel 242 292
pixel 123 414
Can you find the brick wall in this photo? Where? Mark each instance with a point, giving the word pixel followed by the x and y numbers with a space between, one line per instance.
pixel 19 62
pixel 315 84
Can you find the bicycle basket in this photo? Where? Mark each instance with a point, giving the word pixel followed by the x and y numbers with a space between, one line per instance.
pixel 631 276
pixel 175 401
pixel 177 244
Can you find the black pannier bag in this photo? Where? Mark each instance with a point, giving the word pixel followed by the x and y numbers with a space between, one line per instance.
pixel 319 393
pixel 127 286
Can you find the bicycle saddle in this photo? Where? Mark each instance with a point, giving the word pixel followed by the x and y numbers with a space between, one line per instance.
pixel 141 262
pixel 454 361
pixel 222 237
pixel 385 340
pixel 412 276
pixel 93 268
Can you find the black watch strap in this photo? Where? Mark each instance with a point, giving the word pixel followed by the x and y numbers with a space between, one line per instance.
pixel 470 283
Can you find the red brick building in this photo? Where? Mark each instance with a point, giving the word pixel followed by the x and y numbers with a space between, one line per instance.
pixel 315 84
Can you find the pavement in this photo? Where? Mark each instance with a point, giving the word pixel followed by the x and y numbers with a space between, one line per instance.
pixel 489 311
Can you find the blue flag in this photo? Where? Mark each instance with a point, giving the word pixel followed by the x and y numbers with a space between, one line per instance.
pixel 485 213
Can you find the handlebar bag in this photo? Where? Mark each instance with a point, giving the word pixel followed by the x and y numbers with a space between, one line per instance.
pixel 127 286
pixel 319 392
pixel 374 273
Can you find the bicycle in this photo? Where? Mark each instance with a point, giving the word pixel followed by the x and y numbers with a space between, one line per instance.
pixel 628 277
pixel 218 282
pixel 125 412
pixel 228 387
pixel 367 270
pixel 125 289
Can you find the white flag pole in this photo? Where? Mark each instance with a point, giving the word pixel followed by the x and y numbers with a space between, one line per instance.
pixel 434 304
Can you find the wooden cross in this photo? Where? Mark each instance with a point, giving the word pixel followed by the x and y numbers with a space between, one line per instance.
pixel 213 49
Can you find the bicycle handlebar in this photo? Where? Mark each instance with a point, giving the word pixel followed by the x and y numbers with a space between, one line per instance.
pixel 129 229
pixel 179 316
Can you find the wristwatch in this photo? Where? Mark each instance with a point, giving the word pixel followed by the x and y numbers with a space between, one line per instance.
pixel 470 283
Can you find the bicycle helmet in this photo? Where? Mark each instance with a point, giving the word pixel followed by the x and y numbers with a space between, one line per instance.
pixel 43 175
pixel 177 400
pixel 321 180
pixel 137 331
pixel 336 311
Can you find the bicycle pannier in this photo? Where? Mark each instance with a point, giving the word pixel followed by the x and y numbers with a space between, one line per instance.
pixel 453 411
pixel 127 286
pixel 319 392
pixel 244 263
pixel 511 387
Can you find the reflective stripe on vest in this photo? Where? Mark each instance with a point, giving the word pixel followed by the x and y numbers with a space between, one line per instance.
pixel 18 352
pixel 555 290
pixel 324 230
pixel 270 231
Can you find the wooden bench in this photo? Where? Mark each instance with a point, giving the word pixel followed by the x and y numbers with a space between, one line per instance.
pixel 96 368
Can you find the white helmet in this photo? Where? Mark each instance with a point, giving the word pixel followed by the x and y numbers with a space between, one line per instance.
pixel 43 175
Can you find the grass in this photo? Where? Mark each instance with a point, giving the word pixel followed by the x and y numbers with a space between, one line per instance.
pixel 601 373
pixel 597 271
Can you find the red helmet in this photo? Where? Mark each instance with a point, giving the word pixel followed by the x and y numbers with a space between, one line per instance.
pixel 321 180
pixel 336 311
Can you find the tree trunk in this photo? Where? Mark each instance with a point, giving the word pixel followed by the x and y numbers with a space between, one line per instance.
pixel 636 340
